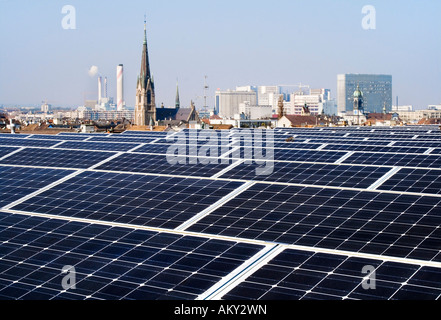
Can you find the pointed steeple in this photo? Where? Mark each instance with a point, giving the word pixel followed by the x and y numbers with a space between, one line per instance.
pixel 145 29
pixel 145 65
pixel 145 110
pixel 177 101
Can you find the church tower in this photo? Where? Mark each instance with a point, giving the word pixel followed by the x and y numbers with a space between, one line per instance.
pixel 145 108
pixel 358 100
pixel 358 104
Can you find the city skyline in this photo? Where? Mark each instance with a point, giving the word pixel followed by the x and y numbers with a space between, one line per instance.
pixel 247 43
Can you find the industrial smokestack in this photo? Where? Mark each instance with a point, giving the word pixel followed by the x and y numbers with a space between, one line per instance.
pixel 120 87
pixel 105 88
pixel 100 86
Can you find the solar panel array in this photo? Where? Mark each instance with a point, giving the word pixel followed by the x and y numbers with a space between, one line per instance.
pixel 298 214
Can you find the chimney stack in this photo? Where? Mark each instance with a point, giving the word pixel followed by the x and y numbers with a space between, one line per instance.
pixel 120 87
pixel 99 89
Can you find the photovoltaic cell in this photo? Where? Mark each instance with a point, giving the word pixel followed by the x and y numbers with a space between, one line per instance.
pixel 400 160
pixel 145 133
pixel 200 150
pixel 310 174
pixel 124 263
pixel 154 148
pixel 299 275
pixel 419 143
pixel 56 158
pixel 139 200
pixel 15 136
pixel 414 180
pixel 124 139
pixel 57 137
pixel 289 155
pixel 110 263
pixel 5 150
pixel 26 142
pixel 375 148
pixel 87 135
pixel 192 142
pixel 19 182
pixel 160 164
pixel 101 146
pixel 358 221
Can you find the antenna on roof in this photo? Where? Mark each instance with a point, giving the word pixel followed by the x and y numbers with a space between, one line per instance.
pixel 206 87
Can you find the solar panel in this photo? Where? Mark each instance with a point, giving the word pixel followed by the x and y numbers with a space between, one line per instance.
pixel 102 146
pixel 15 136
pixel 57 137
pixel 299 275
pixel 400 160
pixel 139 222
pixel 18 182
pixel 57 158
pixel 187 141
pixel 414 180
pixel 4 151
pixel 80 134
pixel 202 150
pixel 160 164
pixel 145 133
pixel 310 174
pixel 140 200
pixel 355 221
pixel 27 142
pixel 421 143
pixel 154 148
pixel 110 263
pixel 370 148
pixel 288 155
pixel 122 139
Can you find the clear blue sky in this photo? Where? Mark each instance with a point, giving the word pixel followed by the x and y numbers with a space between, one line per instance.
pixel 233 42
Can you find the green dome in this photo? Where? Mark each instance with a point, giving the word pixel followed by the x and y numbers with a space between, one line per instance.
pixel 358 93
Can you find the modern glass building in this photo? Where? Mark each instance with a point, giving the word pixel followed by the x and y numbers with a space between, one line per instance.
pixel 377 92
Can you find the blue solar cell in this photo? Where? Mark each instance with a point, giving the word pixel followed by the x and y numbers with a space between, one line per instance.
pixel 26 142
pixel 301 275
pixel 122 139
pixel 160 202
pixel 400 160
pixel 58 137
pixel 310 174
pixel 302 219
pixel 107 271
pixel 19 182
pixel 103 146
pixel 160 164
pixel 57 158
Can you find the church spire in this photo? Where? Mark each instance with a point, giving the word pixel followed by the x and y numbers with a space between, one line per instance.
pixel 145 29
pixel 145 109
pixel 145 65
pixel 177 101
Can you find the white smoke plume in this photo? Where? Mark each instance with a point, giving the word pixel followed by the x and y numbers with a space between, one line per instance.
pixel 93 71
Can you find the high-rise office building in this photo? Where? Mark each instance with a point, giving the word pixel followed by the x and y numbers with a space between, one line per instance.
pixel 227 102
pixel 377 92
pixel 268 95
